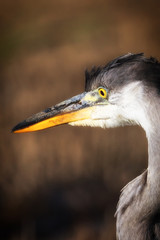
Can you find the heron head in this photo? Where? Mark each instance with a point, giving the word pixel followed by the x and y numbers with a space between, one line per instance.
pixel 114 96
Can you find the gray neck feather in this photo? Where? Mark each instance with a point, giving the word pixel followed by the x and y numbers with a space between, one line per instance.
pixel 153 136
pixel 139 204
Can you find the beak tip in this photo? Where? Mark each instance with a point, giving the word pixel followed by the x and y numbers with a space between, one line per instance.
pixel 18 127
pixel 14 129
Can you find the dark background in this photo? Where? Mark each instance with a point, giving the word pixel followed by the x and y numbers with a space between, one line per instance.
pixel 63 183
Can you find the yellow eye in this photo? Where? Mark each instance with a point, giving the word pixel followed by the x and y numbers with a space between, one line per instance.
pixel 103 92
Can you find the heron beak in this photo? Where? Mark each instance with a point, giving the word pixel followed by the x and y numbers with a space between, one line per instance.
pixel 74 109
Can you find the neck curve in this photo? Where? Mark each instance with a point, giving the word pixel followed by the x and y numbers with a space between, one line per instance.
pixel 154 156
pixel 153 137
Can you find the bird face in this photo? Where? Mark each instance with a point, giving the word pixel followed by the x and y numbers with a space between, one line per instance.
pixel 122 107
pixel 98 108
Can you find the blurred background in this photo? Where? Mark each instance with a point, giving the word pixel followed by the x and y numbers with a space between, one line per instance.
pixel 64 183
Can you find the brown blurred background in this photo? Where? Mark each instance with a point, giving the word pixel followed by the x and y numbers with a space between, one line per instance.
pixel 64 183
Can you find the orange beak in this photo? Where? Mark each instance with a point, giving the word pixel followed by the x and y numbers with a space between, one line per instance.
pixel 71 110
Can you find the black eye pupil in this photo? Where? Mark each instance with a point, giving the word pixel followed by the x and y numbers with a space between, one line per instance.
pixel 102 93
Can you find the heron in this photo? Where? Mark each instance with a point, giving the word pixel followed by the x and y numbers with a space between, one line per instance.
pixel 126 91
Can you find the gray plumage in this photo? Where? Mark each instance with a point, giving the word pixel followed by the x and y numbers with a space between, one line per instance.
pixel 124 92
pixel 138 210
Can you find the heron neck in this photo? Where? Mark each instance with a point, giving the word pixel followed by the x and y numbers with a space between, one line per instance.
pixel 152 129
pixel 154 157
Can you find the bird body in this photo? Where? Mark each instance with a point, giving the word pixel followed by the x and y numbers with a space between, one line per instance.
pixel 131 222
pixel 124 92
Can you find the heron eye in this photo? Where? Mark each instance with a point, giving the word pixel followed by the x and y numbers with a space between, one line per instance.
pixel 103 92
